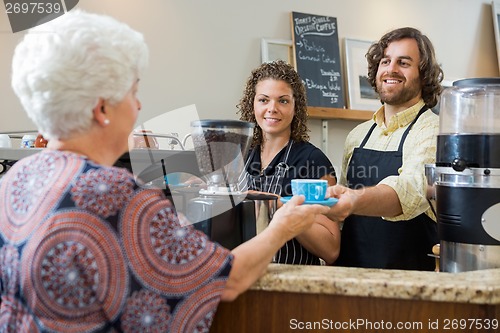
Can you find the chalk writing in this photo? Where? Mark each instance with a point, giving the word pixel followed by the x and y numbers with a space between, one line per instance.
pixel 316 47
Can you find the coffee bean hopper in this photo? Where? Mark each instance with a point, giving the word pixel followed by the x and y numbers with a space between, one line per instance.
pixel 467 176
pixel 223 210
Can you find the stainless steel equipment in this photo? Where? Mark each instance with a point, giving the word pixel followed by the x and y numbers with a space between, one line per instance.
pixel 430 174
pixel 467 179
pixel 223 210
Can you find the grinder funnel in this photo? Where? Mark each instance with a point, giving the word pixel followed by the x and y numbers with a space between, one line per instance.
pixel 221 147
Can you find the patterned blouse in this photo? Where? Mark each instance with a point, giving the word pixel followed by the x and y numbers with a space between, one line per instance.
pixel 83 248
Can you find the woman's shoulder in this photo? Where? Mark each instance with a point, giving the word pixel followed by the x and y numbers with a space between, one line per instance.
pixel 308 152
pixel 92 170
pixel 307 147
pixel 304 146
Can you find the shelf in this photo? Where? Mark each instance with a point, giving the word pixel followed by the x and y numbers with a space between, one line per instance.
pixel 334 113
pixel 15 154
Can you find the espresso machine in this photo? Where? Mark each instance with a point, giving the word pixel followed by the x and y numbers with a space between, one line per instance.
pixel 224 210
pixel 467 176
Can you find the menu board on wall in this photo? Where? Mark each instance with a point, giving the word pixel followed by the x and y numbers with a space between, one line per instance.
pixel 317 58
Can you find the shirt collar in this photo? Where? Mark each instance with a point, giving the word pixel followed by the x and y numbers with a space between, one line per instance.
pixel 400 119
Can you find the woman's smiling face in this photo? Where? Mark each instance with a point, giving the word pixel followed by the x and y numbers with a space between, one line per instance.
pixel 274 106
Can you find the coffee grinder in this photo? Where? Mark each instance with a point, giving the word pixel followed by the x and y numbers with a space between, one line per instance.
pixel 223 210
pixel 467 176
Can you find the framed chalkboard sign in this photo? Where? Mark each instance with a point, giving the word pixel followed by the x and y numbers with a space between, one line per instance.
pixel 317 58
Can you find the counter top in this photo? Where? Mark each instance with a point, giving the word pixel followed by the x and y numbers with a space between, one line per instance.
pixel 476 287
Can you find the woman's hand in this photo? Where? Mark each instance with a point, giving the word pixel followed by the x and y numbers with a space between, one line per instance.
pixel 293 218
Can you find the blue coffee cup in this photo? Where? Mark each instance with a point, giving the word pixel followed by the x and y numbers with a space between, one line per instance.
pixel 312 189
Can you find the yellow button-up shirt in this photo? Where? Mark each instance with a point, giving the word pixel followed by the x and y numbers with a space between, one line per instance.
pixel 419 149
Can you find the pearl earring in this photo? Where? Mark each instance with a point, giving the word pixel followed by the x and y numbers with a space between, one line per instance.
pixel 106 121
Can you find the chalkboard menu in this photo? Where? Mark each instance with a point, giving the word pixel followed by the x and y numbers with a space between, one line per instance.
pixel 317 58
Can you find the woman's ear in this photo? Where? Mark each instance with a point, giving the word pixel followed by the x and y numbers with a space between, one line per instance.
pixel 99 112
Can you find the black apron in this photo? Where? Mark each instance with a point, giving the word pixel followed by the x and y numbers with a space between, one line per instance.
pixel 373 242
pixel 271 180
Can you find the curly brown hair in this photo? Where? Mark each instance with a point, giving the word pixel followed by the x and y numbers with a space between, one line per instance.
pixel 276 70
pixel 430 71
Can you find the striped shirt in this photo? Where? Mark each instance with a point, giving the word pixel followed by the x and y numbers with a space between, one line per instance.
pixel 419 149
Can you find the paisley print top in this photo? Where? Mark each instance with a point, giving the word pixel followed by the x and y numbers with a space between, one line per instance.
pixel 83 248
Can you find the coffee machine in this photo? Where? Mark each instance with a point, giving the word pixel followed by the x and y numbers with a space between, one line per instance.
pixel 467 176
pixel 224 210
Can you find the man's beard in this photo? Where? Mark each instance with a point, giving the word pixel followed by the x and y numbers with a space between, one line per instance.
pixel 409 91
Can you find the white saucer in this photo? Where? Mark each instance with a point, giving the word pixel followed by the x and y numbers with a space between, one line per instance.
pixel 327 202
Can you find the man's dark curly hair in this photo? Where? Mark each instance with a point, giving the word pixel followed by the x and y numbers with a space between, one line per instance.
pixel 431 73
pixel 277 70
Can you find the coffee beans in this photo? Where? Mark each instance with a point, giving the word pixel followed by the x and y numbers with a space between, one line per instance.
pixel 217 148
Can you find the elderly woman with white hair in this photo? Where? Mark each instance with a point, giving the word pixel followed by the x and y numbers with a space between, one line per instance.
pixel 83 248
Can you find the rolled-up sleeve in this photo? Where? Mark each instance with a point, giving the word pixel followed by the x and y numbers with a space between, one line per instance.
pixel 410 183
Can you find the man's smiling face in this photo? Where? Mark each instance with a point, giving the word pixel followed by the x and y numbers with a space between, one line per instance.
pixel 398 76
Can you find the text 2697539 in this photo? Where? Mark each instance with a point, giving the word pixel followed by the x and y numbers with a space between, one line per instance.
pixel 468 324
pixel 33 7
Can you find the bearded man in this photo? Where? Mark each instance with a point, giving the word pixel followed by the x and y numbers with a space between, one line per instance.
pixel 388 222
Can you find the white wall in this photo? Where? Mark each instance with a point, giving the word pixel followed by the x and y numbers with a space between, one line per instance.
pixel 203 51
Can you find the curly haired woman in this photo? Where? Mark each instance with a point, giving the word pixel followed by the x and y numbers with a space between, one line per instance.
pixel 275 99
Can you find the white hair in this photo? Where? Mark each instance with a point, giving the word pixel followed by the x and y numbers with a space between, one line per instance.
pixel 61 69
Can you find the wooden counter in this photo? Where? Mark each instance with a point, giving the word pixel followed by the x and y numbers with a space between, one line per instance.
pixel 339 299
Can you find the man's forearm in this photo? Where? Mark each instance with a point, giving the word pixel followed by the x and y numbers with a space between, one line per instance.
pixel 379 200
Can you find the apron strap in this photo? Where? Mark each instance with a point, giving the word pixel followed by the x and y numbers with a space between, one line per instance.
pixel 405 134
pixel 367 136
pixel 403 138
pixel 277 178
pixel 281 168
pixel 244 177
